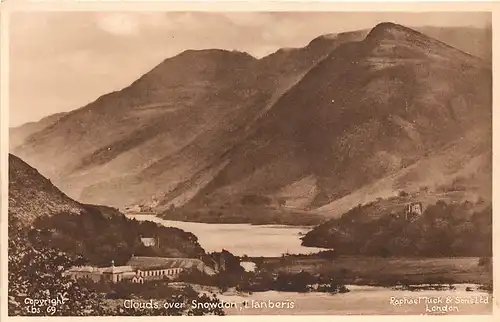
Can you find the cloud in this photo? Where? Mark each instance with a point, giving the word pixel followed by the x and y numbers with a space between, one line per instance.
pixel 119 24
pixel 250 19
pixel 62 60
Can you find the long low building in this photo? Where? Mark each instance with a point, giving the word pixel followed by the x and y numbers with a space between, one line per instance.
pixel 140 269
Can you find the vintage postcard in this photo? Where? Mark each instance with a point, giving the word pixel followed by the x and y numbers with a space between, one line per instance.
pixel 275 160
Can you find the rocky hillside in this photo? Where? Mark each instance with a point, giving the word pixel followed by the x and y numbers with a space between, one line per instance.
pixel 99 233
pixel 32 196
pixel 352 115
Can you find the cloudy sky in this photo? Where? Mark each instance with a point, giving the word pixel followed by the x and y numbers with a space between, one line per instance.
pixel 60 61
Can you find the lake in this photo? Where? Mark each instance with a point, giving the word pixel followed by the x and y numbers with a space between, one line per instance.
pixel 242 239
pixel 272 240
pixel 363 300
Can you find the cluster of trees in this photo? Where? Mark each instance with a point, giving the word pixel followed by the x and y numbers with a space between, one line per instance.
pixel 305 281
pixel 290 282
pixel 36 273
pixel 228 276
pixel 264 280
pixel 100 238
pixel 443 230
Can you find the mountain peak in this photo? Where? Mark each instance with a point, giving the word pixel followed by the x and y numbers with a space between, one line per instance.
pixel 389 27
pixel 325 37
pixel 390 30
pixel 223 53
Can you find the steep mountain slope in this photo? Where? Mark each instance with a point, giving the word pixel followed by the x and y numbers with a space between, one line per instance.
pixel 350 117
pixel 458 172
pixel 170 126
pixel 474 41
pixel 156 111
pixel 370 109
pixel 19 134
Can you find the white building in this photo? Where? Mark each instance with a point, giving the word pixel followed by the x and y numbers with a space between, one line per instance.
pixel 140 269
pixel 248 266
pixel 148 242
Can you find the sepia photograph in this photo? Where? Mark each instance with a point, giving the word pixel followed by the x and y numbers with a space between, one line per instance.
pixel 249 163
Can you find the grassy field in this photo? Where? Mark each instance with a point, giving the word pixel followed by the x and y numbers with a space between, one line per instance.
pixel 388 271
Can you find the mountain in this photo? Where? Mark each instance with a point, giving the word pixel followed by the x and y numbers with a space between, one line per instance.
pixel 170 126
pixel 474 41
pixel 350 117
pixel 369 110
pixel 99 233
pixel 20 133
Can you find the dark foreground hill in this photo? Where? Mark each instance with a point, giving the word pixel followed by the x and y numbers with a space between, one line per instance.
pixel 100 234
pixel 348 118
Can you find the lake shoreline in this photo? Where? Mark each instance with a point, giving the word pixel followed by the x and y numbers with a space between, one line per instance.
pixel 246 239
pixel 246 215
pixel 223 221
pixel 273 247
pixel 467 287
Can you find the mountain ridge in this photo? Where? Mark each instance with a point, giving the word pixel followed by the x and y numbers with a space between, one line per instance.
pixel 167 146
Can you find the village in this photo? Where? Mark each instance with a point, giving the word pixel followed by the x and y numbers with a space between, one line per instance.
pixel 140 269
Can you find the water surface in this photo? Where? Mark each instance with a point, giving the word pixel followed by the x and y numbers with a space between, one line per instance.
pixel 363 300
pixel 242 239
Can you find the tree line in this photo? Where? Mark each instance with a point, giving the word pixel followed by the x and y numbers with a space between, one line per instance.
pixel 101 239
